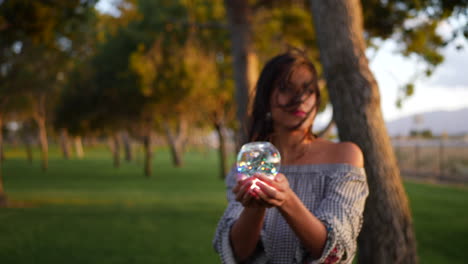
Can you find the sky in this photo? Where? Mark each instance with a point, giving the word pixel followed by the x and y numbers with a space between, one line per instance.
pixel 446 89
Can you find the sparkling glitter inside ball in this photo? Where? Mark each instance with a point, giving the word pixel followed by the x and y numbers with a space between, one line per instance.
pixel 258 157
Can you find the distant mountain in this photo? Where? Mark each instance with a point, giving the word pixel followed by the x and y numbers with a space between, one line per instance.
pixel 450 122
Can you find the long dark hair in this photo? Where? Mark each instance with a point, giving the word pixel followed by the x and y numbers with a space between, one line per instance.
pixel 277 73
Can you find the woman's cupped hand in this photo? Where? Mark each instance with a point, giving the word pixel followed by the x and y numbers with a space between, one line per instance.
pixel 262 191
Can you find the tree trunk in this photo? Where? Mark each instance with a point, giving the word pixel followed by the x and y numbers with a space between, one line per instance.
pixel 27 140
pixel 3 104
pixel 116 149
pixel 3 197
pixel 176 142
pixel 147 141
pixel 92 141
pixel 175 150
pixel 127 146
pixel 244 61
pixel 65 145
pixel 39 115
pixel 220 129
pixel 79 147
pixel 43 142
pixel 387 235
pixel 2 154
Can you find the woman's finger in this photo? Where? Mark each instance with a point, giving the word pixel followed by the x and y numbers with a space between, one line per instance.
pixel 264 178
pixel 279 177
pixel 262 203
pixel 265 200
pixel 251 198
pixel 268 190
pixel 241 191
pixel 262 195
pixel 244 195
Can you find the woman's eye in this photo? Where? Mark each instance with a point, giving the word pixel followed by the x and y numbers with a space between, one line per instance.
pixel 287 92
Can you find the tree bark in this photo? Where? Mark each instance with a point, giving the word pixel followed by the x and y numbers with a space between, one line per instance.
pixel 79 147
pixel 43 142
pixel 244 60
pixel 3 197
pixel 28 145
pixel 176 141
pixel 3 104
pixel 2 154
pixel 65 145
pixel 387 235
pixel 39 116
pixel 127 146
pixel 92 141
pixel 147 141
pixel 116 149
pixel 220 129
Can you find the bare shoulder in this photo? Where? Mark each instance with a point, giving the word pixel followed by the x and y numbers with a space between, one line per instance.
pixel 341 152
pixel 350 153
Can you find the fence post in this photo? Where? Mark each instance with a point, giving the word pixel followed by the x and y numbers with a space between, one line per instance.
pixel 416 154
pixel 441 158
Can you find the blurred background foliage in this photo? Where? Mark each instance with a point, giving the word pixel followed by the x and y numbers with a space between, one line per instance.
pixel 165 67
pixel 150 75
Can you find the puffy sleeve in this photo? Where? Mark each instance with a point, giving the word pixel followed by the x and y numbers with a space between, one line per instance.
pixel 341 211
pixel 221 240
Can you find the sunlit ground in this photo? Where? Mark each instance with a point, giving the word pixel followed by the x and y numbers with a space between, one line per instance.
pixel 86 211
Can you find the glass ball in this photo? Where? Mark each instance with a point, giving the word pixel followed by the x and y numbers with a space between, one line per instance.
pixel 258 157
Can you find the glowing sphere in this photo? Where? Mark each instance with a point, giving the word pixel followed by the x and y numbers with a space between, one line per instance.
pixel 258 157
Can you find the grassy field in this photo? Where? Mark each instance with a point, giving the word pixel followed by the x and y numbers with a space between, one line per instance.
pixel 86 211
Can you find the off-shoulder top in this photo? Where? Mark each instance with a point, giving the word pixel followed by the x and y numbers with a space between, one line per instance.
pixel 334 193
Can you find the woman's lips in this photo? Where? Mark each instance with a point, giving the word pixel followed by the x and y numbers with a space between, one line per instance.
pixel 299 113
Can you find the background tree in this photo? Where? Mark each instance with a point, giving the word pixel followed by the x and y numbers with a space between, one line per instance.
pixel 37 41
pixel 387 235
pixel 217 101
pixel 221 109
pixel 118 103
pixel 186 37
pixel 4 104
pixel 36 37
pixel 245 61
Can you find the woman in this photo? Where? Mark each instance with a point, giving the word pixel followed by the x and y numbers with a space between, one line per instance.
pixel 311 212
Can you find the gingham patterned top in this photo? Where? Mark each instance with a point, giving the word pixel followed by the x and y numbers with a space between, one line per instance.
pixel 334 193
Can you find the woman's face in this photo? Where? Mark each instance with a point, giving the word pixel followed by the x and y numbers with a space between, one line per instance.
pixel 294 107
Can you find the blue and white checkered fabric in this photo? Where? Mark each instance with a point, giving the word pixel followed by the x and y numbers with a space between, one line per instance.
pixel 334 193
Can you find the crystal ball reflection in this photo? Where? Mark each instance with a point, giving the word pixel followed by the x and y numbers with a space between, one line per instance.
pixel 258 157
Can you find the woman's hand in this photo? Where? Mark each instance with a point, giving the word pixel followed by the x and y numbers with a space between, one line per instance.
pixel 245 194
pixel 274 192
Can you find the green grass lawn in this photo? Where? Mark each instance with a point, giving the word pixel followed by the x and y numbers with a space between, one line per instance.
pixel 86 211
